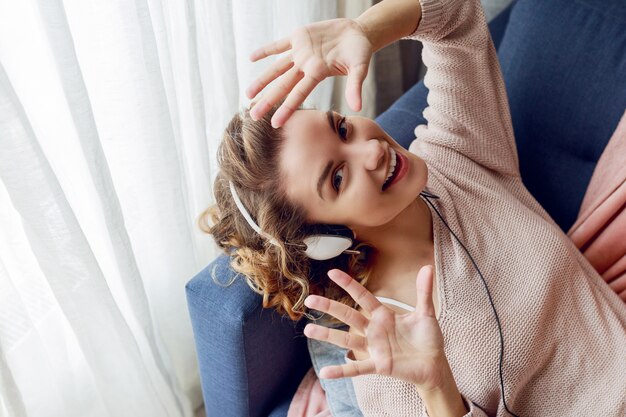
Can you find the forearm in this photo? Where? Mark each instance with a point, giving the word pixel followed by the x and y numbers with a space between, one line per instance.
pixel 445 400
pixel 389 21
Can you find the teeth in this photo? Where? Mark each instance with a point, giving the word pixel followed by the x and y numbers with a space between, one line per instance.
pixel 392 164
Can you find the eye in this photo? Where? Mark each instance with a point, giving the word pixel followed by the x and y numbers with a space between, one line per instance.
pixel 342 128
pixel 337 179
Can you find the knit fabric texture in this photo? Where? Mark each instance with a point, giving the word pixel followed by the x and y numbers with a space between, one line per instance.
pixel 564 329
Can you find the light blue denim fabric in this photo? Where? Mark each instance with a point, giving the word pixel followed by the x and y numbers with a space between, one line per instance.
pixel 339 392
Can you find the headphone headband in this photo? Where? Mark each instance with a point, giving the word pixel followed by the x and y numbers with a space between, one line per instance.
pixel 246 215
pixel 321 246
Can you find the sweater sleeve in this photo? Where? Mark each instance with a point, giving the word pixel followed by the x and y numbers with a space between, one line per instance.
pixel 378 395
pixel 468 109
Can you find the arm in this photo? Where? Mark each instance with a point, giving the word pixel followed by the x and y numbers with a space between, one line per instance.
pixel 468 108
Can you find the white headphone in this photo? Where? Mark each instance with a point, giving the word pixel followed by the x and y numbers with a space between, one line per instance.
pixel 321 246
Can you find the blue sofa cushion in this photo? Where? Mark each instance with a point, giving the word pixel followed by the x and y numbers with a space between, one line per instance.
pixel 564 64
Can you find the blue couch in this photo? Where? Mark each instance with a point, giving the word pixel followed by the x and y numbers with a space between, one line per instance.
pixel 564 64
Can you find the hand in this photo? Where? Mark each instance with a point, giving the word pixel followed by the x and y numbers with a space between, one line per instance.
pixel 319 50
pixel 408 346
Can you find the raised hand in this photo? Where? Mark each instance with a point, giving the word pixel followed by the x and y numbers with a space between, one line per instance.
pixel 408 347
pixel 319 50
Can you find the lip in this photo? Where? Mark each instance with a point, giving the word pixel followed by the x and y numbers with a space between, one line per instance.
pixel 402 170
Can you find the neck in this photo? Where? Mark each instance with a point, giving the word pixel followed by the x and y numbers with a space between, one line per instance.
pixel 402 243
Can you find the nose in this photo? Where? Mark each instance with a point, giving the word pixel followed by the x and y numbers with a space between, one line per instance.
pixel 374 154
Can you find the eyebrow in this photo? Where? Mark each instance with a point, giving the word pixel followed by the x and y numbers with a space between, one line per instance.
pixel 323 177
pixel 329 165
pixel 331 120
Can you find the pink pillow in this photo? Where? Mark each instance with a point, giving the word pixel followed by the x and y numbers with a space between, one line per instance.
pixel 600 230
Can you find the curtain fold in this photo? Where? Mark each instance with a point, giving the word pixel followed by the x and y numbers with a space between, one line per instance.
pixel 75 278
pixel 13 403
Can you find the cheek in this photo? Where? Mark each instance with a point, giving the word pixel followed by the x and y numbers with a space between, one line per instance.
pixel 372 210
pixel 419 174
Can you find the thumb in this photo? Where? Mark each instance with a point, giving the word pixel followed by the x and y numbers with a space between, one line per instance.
pixel 356 76
pixel 424 286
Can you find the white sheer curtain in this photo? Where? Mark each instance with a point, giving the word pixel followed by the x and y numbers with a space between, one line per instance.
pixel 110 115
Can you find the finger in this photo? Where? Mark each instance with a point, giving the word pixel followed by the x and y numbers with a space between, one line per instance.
pixel 359 293
pixel 273 48
pixel 338 310
pixel 296 97
pixel 379 337
pixel 277 69
pixel 349 370
pixel 283 86
pixel 339 338
pixel 424 286
pixel 354 86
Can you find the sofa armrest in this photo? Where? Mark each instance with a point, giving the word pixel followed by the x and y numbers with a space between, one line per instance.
pixel 251 359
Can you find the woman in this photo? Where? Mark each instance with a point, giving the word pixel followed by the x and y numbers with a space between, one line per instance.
pixel 510 319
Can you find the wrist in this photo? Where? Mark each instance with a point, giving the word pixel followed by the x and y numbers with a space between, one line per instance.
pixel 443 404
pixel 389 21
pixel 444 398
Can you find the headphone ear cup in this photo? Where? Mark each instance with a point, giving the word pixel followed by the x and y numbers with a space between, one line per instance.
pixel 323 247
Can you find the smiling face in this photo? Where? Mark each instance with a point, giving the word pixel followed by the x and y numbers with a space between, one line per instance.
pixel 338 170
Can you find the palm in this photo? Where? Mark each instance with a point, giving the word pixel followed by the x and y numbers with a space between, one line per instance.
pixel 408 347
pixel 317 51
pixel 329 48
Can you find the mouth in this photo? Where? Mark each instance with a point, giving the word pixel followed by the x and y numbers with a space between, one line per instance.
pixel 396 169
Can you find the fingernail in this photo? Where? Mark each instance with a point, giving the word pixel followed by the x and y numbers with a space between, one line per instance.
pixel 333 274
pixel 250 92
pixel 307 301
pixel 281 114
pixel 259 108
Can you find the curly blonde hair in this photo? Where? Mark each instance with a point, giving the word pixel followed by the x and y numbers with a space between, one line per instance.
pixel 249 157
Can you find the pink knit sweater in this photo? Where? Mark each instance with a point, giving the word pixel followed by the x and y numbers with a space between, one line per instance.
pixel 564 329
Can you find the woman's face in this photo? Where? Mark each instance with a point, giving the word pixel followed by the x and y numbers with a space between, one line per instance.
pixel 337 169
